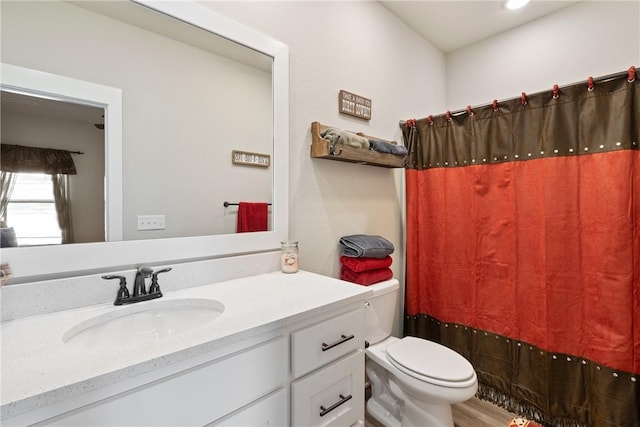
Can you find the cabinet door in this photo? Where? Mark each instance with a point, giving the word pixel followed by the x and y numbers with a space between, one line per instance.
pixel 270 411
pixel 195 397
pixel 332 396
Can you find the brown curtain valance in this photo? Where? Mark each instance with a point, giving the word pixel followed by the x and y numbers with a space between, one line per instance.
pixel 519 129
pixel 19 158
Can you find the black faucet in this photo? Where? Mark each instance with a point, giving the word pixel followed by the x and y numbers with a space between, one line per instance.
pixel 139 289
pixel 138 284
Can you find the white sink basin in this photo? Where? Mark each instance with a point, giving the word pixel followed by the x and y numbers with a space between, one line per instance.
pixel 143 322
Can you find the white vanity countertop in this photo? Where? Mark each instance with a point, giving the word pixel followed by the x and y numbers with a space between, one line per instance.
pixel 38 367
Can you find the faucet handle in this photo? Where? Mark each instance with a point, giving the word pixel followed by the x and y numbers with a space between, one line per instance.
pixel 123 292
pixel 154 287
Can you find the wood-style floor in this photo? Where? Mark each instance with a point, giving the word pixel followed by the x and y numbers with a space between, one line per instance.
pixel 473 413
pixel 476 413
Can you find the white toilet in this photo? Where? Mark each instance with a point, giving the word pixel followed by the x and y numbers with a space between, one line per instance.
pixel 413 381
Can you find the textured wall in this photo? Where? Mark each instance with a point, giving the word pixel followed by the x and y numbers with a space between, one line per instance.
pixel 591 38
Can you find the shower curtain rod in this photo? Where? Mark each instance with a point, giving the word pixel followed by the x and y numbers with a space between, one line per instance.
pixel 605 78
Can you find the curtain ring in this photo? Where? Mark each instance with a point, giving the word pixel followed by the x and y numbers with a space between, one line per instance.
pixel 495 105
pixel 632 74
pixel 430 120
pixel 469 112
pixel 556 92
pixel 590 84
pixel 523 99
pixel 448 115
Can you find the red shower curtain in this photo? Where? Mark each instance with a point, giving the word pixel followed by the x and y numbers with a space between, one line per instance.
pixel 523 248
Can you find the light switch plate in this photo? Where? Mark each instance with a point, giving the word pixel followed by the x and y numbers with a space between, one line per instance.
pixel 151 222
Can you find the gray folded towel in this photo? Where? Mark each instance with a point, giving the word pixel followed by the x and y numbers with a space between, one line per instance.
pixel 387 147
pixel 336 136
pixel 363 245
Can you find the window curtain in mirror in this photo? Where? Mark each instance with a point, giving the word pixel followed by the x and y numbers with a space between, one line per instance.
pixel 57 163
pixel 7 182
pixel 523 248
pixel 63 209
pixel 19 158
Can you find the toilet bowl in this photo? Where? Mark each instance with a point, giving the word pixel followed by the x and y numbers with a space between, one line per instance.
pixel 414 381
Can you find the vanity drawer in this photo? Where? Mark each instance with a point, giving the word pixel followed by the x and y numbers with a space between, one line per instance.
pixel 327 341
pixel 333 396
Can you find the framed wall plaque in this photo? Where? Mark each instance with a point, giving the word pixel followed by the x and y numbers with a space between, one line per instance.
pixel 354 105
pixel 245 158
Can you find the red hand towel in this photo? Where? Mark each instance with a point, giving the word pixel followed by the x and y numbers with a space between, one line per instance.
pixel 359 265
pixel 252 217
pixel 366 278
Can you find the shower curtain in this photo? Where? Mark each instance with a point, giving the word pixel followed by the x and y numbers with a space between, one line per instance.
pixel 523 248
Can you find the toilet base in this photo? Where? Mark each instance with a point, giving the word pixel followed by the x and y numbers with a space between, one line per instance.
pixel 426 415
pixel 436 416
pixel 381 415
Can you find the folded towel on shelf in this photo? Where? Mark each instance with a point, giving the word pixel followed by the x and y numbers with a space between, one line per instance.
pixel 350 139
pixel 252 217
pixel 358 265
pixel 367 277
pixel 387 147
pixel 365 246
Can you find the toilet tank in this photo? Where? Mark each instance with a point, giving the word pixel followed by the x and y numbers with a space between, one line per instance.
pixel 380 311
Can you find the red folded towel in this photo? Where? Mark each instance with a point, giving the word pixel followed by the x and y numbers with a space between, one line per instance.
pixel 367 277
pixel 252 217
pixel 359 265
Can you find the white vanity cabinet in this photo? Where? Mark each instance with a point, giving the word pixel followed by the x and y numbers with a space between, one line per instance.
pixel 328 364
pixel 287 351
pixel 201 395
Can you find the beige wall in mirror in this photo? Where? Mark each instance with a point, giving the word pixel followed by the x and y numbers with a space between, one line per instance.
pixel 185 104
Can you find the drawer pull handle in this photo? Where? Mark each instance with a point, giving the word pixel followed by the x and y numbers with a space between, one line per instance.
pixel 343 338
pixel 324 411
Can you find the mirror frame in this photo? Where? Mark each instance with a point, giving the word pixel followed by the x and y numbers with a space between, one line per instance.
pixel 48 262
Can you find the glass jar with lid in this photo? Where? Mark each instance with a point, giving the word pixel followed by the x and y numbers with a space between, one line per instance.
pixel 289 257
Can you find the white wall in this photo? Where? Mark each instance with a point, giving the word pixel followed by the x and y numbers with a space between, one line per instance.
pixel 362 48
pixel 591 38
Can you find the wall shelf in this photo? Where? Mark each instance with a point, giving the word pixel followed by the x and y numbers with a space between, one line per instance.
pixel 321 148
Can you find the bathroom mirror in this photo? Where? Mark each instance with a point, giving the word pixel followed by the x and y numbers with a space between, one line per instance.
pixel 272 61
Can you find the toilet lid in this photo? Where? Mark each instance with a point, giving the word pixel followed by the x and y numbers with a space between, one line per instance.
pixel 430 359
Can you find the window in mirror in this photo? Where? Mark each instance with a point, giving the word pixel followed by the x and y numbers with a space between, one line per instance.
pixel 31 210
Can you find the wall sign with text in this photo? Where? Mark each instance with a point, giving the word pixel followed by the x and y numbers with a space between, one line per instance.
pixel 245 158
pixel 354 105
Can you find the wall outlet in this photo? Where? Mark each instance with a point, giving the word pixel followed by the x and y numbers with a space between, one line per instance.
pixel 150 222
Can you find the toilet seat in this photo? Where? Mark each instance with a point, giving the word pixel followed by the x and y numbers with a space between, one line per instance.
pixel 431 362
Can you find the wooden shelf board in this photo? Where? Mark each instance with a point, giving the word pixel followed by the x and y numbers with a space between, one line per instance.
pixel 320 148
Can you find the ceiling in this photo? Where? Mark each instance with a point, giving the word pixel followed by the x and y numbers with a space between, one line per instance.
pixel 21 103
pixel 450 24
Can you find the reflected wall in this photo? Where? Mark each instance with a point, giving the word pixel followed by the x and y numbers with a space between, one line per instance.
pixel 184 110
